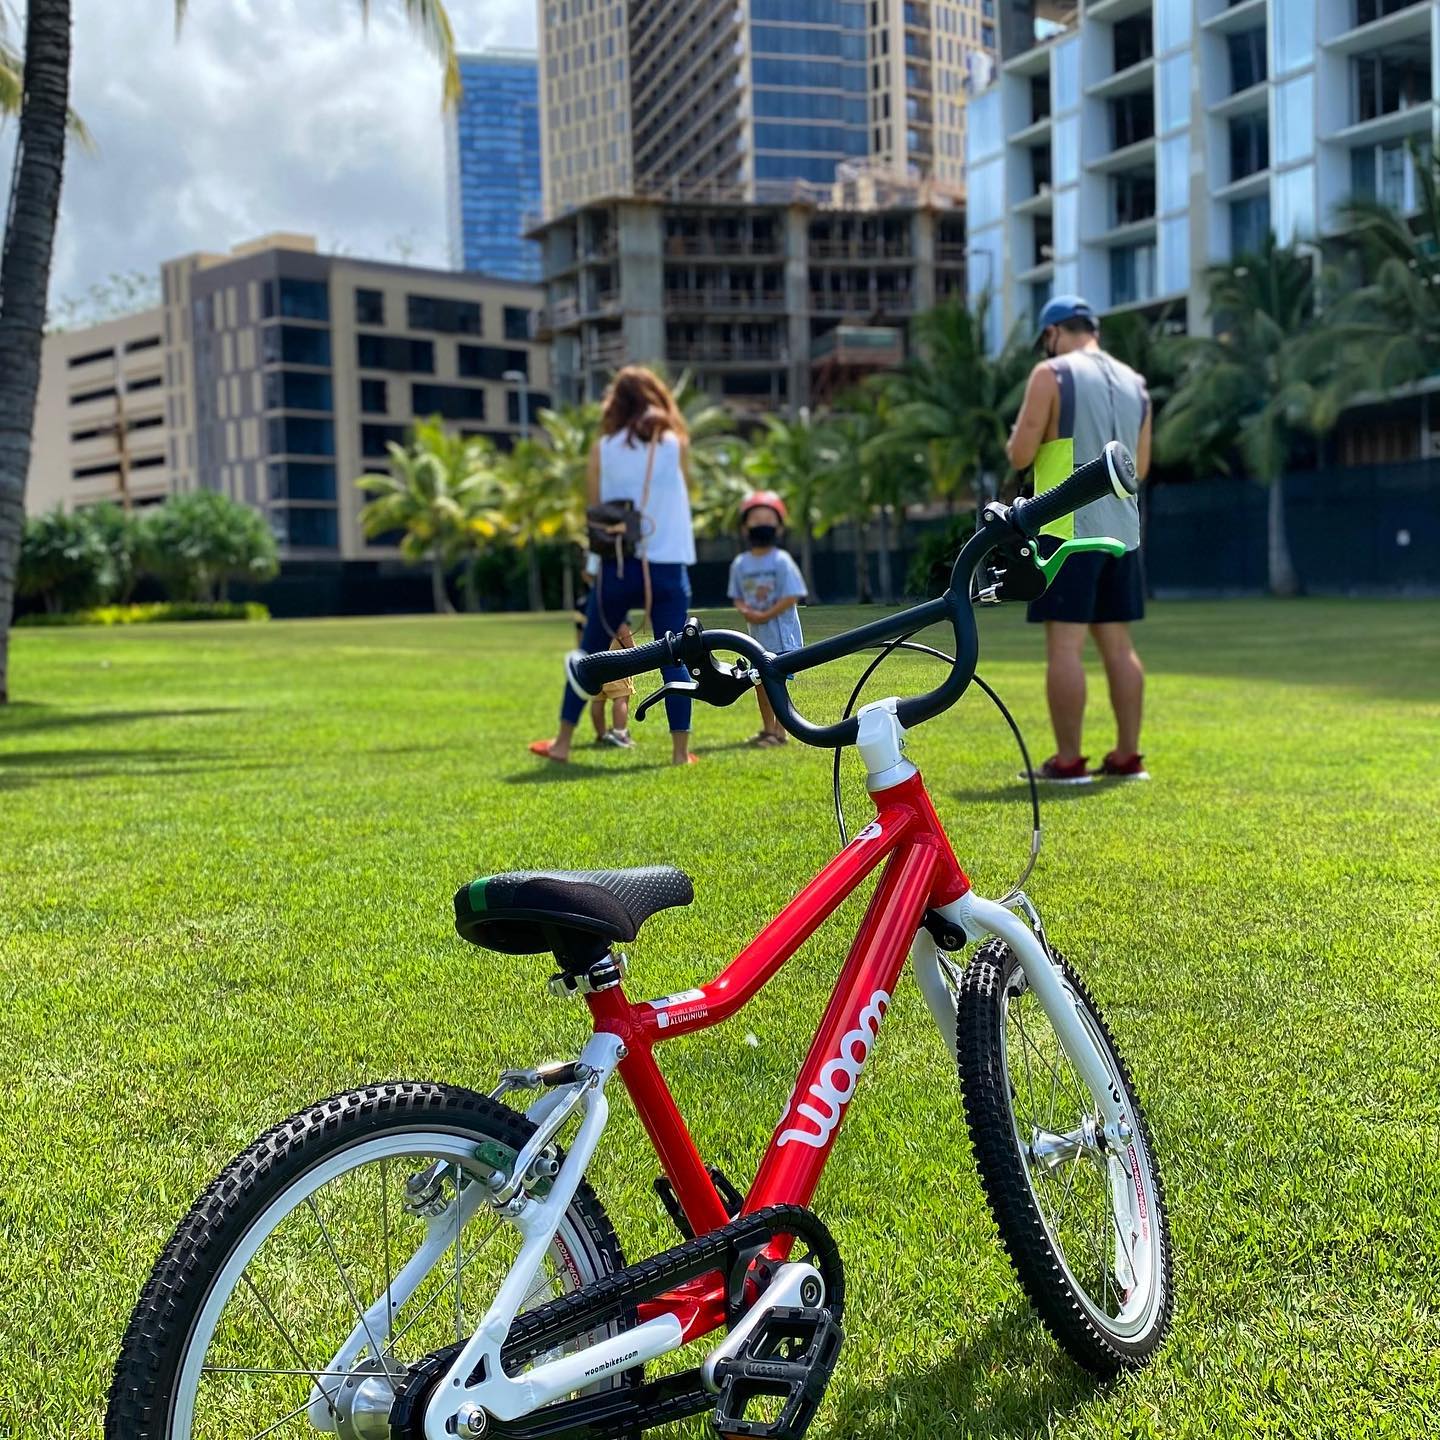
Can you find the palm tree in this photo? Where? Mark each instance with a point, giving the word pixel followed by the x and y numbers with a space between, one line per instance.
pixel 793 457
pixel 443 492
pixel 1269 375
pixel 849 491
pixel 558 469
pixel 30 239
pixel 1397 314
pixel 954 401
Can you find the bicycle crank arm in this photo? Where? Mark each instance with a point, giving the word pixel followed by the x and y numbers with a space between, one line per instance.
pixel 509 1403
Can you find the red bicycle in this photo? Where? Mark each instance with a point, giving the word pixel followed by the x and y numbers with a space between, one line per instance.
pixel 416 1261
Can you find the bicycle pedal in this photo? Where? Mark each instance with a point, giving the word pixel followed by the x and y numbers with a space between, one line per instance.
pixel 772 1386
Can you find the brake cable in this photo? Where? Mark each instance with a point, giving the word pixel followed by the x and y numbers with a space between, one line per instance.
pixel 907 642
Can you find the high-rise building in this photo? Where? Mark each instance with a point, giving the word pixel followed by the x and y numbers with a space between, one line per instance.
pixel 751 102
pixel 1126 146
pixel 769 307
pixel 277 375
pixel 492 164
pixel 585 111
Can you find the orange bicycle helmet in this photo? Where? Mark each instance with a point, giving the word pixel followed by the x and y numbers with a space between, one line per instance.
pixel 756 498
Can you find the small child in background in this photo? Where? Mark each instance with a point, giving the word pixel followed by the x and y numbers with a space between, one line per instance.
pixel 617 694
pixel 765 586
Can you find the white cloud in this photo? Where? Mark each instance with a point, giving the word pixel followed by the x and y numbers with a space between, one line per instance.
pixel 265 115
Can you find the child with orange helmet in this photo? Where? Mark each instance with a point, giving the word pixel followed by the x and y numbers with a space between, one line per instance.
pixel 765 587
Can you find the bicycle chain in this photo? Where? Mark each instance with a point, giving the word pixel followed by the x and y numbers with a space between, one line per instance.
pixel 620 1413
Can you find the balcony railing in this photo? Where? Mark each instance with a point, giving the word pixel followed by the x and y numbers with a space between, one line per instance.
pixel 860 250
pixel 725 299
pixel 724 246
pixel 860 302
pixel 720 352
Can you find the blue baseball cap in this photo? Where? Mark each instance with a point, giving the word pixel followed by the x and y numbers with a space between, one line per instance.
pixel 1062 308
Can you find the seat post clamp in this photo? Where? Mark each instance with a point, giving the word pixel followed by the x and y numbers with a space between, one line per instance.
pixel 605 974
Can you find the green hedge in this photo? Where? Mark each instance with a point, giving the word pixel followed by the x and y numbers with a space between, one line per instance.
pixel 148 614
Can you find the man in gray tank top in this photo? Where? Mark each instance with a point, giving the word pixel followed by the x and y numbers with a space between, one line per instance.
pixel 1077 401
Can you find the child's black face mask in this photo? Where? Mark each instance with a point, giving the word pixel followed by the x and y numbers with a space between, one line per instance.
pixel 762 535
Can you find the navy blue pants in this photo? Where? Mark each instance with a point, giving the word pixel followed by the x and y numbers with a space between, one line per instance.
pixel 611 602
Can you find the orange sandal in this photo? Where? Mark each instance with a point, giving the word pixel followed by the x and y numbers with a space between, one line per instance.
pixel 542 749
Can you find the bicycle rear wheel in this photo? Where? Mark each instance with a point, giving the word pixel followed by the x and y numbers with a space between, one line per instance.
pixel 1083 1220
pixel 324 1265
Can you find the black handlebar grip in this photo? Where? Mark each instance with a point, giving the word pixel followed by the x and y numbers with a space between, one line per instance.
pixel 590 673
pixel 1111 472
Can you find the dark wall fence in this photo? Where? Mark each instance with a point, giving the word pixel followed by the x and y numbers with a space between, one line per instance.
pixel 1371 529
pixel 1359 530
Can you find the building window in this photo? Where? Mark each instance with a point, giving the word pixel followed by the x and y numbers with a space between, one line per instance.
pixel 535 402
pixel 1247 59
pixel 300 480
pixel 1175 255
pixel 295 345
pixel 374 439
pixel 1132 274
pixel 1066 74
pixel 105 392
pixel 296 435
pixel 517 323
pixel 1131 41
pixel 1386 173
pixel 375 397
pixel 446 317
pixel 395 352
pixel 305 299
pixel 304 527
pixel 369 307
pixel 1132 119
pixel 1294 36
pixel 488 362
pixel 1295 120
pixel 1295 204
pixel 90 357
pixel 1249 145
pixel 1134 196
pixel 452 402
pixel 1173 171
pixel 1172 23
pixel 1175 91
pixel 1249 225
pixel 1387 83
pixel 1040 292
pixel 297 390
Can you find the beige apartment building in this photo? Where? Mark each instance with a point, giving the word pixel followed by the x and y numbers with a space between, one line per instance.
pixel 102 418
pixel 277 375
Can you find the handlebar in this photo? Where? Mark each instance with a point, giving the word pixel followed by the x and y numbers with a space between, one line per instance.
pixel 1112 471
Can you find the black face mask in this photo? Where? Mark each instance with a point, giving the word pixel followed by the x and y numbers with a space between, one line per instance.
pixel 762 534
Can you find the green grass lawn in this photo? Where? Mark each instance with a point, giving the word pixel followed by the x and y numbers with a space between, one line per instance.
pixel 227 863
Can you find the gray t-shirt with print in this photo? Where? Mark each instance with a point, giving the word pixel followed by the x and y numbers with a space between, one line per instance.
pixel 761 580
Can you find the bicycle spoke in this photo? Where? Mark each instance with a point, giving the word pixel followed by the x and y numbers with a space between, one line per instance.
pixel 389 1271
pixel 445 1285
pixel 296 1413
pixel 459 1267
pixel 315 1375
pixel 375 1350
pixel 284 1333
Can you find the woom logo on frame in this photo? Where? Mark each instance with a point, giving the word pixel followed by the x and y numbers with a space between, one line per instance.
pixel 837 1079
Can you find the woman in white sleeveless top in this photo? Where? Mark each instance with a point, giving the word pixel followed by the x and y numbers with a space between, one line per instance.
pixel 639 415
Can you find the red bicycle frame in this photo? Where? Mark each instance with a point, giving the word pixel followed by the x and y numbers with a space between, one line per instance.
pixel 921 872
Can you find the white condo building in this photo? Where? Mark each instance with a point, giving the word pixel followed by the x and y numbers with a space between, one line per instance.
pixel 1127 145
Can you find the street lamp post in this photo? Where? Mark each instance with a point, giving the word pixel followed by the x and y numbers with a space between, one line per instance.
pixel 520 378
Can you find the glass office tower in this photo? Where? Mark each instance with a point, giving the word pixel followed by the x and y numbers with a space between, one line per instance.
pixel 492 145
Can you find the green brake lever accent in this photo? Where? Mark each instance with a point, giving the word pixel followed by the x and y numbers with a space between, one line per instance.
pixel 1050 567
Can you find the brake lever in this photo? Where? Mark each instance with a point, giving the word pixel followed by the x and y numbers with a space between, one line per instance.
pixel 670 687
pixel 713 682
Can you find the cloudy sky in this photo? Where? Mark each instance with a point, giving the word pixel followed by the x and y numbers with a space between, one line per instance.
pixel 265 115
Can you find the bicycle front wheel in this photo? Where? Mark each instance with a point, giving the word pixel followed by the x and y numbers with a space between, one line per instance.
pixel 328 1261
pixel 1083 1220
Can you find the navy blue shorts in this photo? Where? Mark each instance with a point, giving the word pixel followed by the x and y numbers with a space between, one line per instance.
pixel 1092 589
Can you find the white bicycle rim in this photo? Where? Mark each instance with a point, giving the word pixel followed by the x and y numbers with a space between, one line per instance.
pixel 576 1262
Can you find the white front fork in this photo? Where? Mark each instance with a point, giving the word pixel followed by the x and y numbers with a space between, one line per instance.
pixel 976 916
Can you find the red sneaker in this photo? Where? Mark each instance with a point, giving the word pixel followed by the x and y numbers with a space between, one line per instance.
pixel 1116 766
pixel 1052 772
